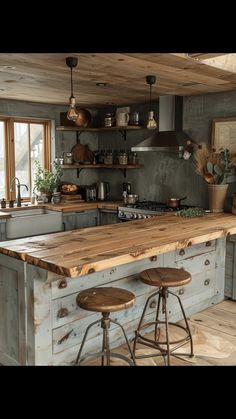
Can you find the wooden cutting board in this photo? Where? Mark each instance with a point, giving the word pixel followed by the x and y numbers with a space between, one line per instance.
pixel 72 197
pixel 81 153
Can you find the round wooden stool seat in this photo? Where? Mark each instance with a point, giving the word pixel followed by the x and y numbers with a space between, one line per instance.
pixel 165 277
pixel 105 299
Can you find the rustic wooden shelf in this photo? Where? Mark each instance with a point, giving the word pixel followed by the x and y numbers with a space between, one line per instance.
pixel 80 129
pixel 122 167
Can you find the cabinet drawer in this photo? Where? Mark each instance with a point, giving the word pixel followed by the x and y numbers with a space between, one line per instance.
pixel 198 263
pixel 204 282
pixel 65 310
pixel 197 249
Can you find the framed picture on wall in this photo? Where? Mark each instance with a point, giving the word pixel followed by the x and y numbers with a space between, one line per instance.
pixel 224 133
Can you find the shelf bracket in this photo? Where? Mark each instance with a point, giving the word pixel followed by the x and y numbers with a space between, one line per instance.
pixel 78 171
pixel 124 172
pixel 123 132
pixel 78 136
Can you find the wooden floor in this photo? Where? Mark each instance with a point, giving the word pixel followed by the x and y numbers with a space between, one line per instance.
pixel 214 339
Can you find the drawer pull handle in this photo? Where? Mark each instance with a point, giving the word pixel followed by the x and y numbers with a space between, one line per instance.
pixel 63 312
pixel 64 337
pixel 153 258
pixel 153 304
pixel 181 291
pixel 62 284
pixel 207 262
pixel 207 282
pixel 181 252
pixel 208 244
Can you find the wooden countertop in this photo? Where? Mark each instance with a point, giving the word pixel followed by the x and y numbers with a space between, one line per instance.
pixel 4 215
pixel 79 252
pixel 84 206
pixel 65 207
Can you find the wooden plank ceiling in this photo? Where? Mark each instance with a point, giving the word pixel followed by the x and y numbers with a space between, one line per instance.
pixel 45 78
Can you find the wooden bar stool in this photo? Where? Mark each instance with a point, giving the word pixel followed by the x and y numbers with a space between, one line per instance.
pixel 163 278
pixel 105 300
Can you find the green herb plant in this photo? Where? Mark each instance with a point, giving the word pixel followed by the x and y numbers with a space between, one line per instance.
pixel 46 181
pixel 190 212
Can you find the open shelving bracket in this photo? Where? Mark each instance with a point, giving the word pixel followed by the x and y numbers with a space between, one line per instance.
pixel 78 136
pixel 79 170
pixel 124 133
pixel 124 172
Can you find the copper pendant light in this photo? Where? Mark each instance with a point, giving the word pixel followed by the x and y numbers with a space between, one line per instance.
pixel 72 113
pixel 151 123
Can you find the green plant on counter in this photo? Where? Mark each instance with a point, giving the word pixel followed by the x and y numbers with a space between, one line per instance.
pixel 191 212
pixel 46 181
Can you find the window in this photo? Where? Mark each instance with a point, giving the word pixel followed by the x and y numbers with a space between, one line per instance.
pixel 22 141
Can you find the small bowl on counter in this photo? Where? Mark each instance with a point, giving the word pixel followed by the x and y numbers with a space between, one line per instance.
pixel 131 199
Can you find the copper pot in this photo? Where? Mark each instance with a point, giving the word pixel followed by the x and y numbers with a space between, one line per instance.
pixel 174 202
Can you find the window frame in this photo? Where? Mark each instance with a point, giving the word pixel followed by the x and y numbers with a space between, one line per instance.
pixel 10 148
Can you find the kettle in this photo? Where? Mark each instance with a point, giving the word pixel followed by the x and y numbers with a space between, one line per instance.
pixel 103 189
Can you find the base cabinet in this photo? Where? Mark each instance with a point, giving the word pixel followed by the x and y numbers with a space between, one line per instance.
pixel 74 220
pixel 108 217
pixel 2 230
pixel 230 267
pixel 33 330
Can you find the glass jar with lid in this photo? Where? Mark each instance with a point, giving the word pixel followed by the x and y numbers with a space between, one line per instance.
pixel 108 158
pixel 133 158
pixel 67 158
pixel 123 158
pixel 108 120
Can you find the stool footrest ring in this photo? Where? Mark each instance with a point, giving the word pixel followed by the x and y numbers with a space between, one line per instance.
pixel 157 344
pixel 103 353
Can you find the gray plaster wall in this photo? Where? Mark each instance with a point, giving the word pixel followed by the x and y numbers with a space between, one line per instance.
pixel 165 175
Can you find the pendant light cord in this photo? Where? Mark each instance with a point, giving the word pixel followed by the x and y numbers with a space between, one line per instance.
pixel 150 99
pixel 71 83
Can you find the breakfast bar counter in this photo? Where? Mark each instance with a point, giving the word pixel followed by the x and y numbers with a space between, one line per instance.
pixel 40 278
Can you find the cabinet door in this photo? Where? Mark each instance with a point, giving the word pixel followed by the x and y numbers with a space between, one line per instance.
pixel 69 221
pixel 3 230
pixel 108 218
pixel 230 267
pixel 86 219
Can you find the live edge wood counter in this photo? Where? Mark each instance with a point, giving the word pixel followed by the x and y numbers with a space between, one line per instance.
pixel 80 252
pixel 40 277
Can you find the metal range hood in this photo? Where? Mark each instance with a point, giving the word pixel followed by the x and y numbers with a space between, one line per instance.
pixel 170 136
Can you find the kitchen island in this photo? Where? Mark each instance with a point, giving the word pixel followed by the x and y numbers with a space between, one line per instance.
pixel 40 278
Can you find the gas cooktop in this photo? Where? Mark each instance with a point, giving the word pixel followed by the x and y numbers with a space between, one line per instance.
pixel 154 206
pixel 145 209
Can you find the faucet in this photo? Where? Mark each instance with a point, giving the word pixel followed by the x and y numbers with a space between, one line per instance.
pixel 18 198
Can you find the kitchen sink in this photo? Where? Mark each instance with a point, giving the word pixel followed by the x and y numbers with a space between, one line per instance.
pixel 31 222
pixel 29 212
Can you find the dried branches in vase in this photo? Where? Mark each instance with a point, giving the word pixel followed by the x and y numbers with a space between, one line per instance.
pixel 214 166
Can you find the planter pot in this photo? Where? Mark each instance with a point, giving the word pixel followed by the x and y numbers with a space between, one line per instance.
pixel 216 196
pixel 46 197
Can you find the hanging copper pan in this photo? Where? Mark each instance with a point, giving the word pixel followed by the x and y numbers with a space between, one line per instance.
pixel 84 118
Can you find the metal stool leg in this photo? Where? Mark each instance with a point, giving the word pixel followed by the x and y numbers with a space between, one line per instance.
pixel 105 324
pixel 127 341
pixel 106 353
pixel 164 294
pixel 157 317
pixel 186 323
pixel 142 318
pixel 84 339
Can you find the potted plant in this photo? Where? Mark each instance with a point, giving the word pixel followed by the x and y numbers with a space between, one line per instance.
pixel 45 181
pixel 217 169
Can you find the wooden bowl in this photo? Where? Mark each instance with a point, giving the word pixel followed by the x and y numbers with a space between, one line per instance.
pixel 69 189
